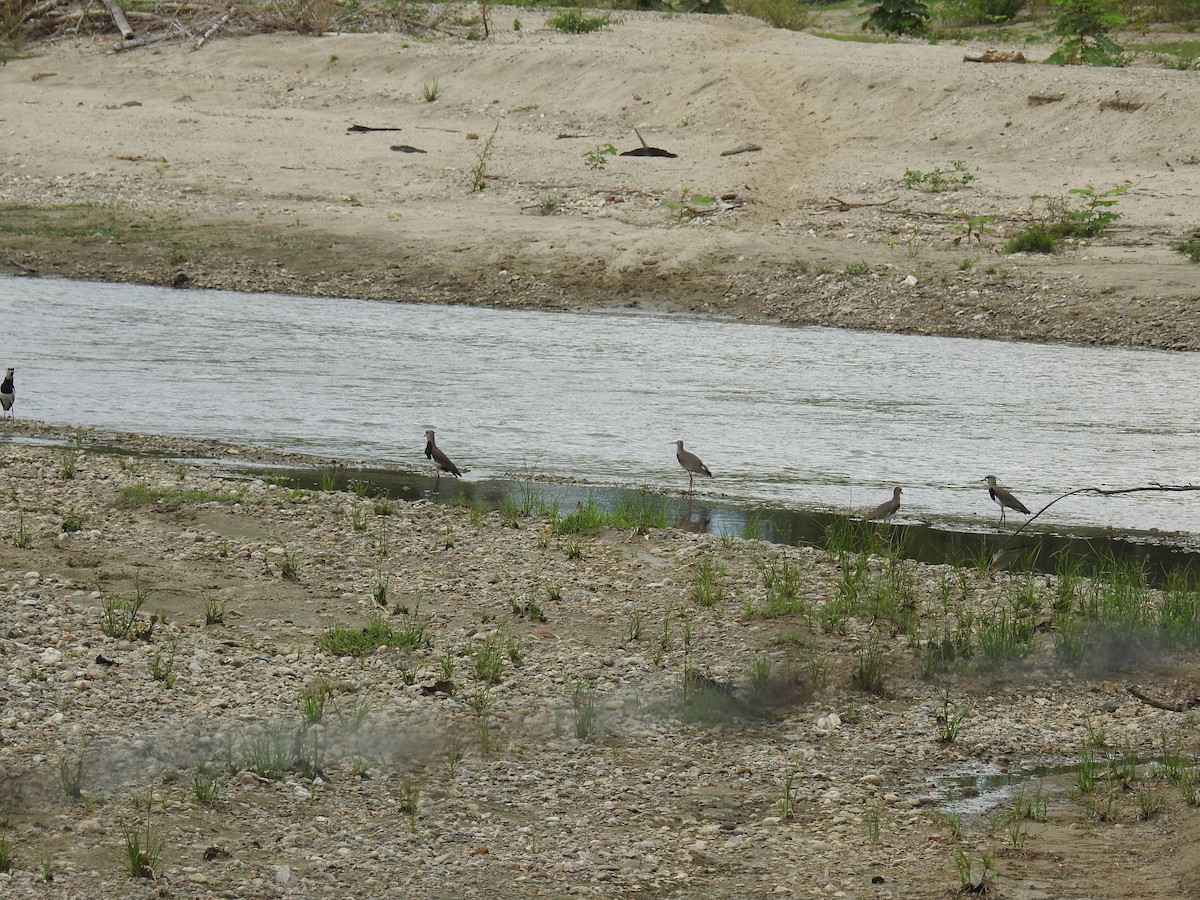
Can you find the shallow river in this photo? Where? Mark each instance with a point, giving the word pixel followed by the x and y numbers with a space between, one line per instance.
pixel 799 417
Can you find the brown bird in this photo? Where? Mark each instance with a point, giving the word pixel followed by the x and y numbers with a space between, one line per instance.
pixel 441 461
pixel 1003 497
pixel 885 510
pixel 691 463
pixel 8 393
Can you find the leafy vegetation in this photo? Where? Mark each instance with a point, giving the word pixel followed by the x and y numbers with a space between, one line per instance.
pixel 1081 28
pixel 574 21
pixel 897 17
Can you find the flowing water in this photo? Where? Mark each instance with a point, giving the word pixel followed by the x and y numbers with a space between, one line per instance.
pixel 789 417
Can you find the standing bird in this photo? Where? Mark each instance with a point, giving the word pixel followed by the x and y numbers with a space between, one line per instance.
pixel 7 393
pixel 1003 497
pixel 885 510
pixel 440 460
pixel 691 463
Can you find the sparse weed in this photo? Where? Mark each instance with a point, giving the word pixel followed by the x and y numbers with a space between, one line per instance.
pixel 22 539
pixel 870 675
pixel 637 624
pixel 70 776
pixel 787 797
pixel 479 174
pixel 142 849
pixel 584 711
pixel 574 21
pixel 939 180
pixel 214 611
pixel 597 157
pixel 66 464
pixel 487 660
pixel 206 783
pixel 162 663
pixel 708 589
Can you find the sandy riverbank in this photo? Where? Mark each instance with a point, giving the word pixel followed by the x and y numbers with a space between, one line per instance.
pixel 231 166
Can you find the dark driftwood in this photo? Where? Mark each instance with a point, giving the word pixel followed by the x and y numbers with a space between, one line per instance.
pixel 844 205
pixel 1181 706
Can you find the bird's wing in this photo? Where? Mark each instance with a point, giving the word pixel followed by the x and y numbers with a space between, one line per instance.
pixel 429 449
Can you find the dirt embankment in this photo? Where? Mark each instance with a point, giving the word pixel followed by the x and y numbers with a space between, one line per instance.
pixel 232 166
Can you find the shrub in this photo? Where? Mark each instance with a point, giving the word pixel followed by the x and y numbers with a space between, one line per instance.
pixel 897 17
pixel 573 21
pixel 1037 237
pixel 1190 249
pixel 1081 27
pixel 786 14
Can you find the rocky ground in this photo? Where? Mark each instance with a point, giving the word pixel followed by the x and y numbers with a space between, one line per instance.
pixel 274 765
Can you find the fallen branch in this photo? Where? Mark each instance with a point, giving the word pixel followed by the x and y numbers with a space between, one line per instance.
pixel 844 205
pixel 118 17
pixel 996 56
pixel 213 28
pixel 1181 706
pixel 1104 492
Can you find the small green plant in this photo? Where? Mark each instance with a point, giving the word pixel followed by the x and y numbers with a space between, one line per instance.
pixel 873 820
pixel 6 855
pixel 708 589
pixel 787 797
pixel 355 714
pixel 289 566
pixel 214 611
pixel 66 464
pixel 206 783
pixel 481 703
pixel 338 640
pixel 574 549
pixel 950 720
pixel 162 663
pixel 22 539
pixel 898 17
pixel 870 675
pixel 358 519
pixel 1150 804
pixel 330 478
pixel 72 521
pixel 584 711
pixel 941 180
pixel 573 21
pixel 70 776
pixel 637 624
pixel 383 506
pixel 142 849
pixel 966 873
pixel 313 700
pixel 597 157
pixel 453 759
pixel 379 590
pixel 689 205
pixel 46 869
pixel 430 90
pixel 408 801
pixel 858 269
pixel 119 615
pixel 479 174
pixel 1190 249
pixel 1036 237
pixel 487 661
pixel 1081 28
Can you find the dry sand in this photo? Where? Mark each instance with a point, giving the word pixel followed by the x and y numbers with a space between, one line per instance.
pixel 231 166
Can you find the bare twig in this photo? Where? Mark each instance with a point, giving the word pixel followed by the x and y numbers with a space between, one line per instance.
pixel 1181 706
pixel 844 205
pixel 1104 492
